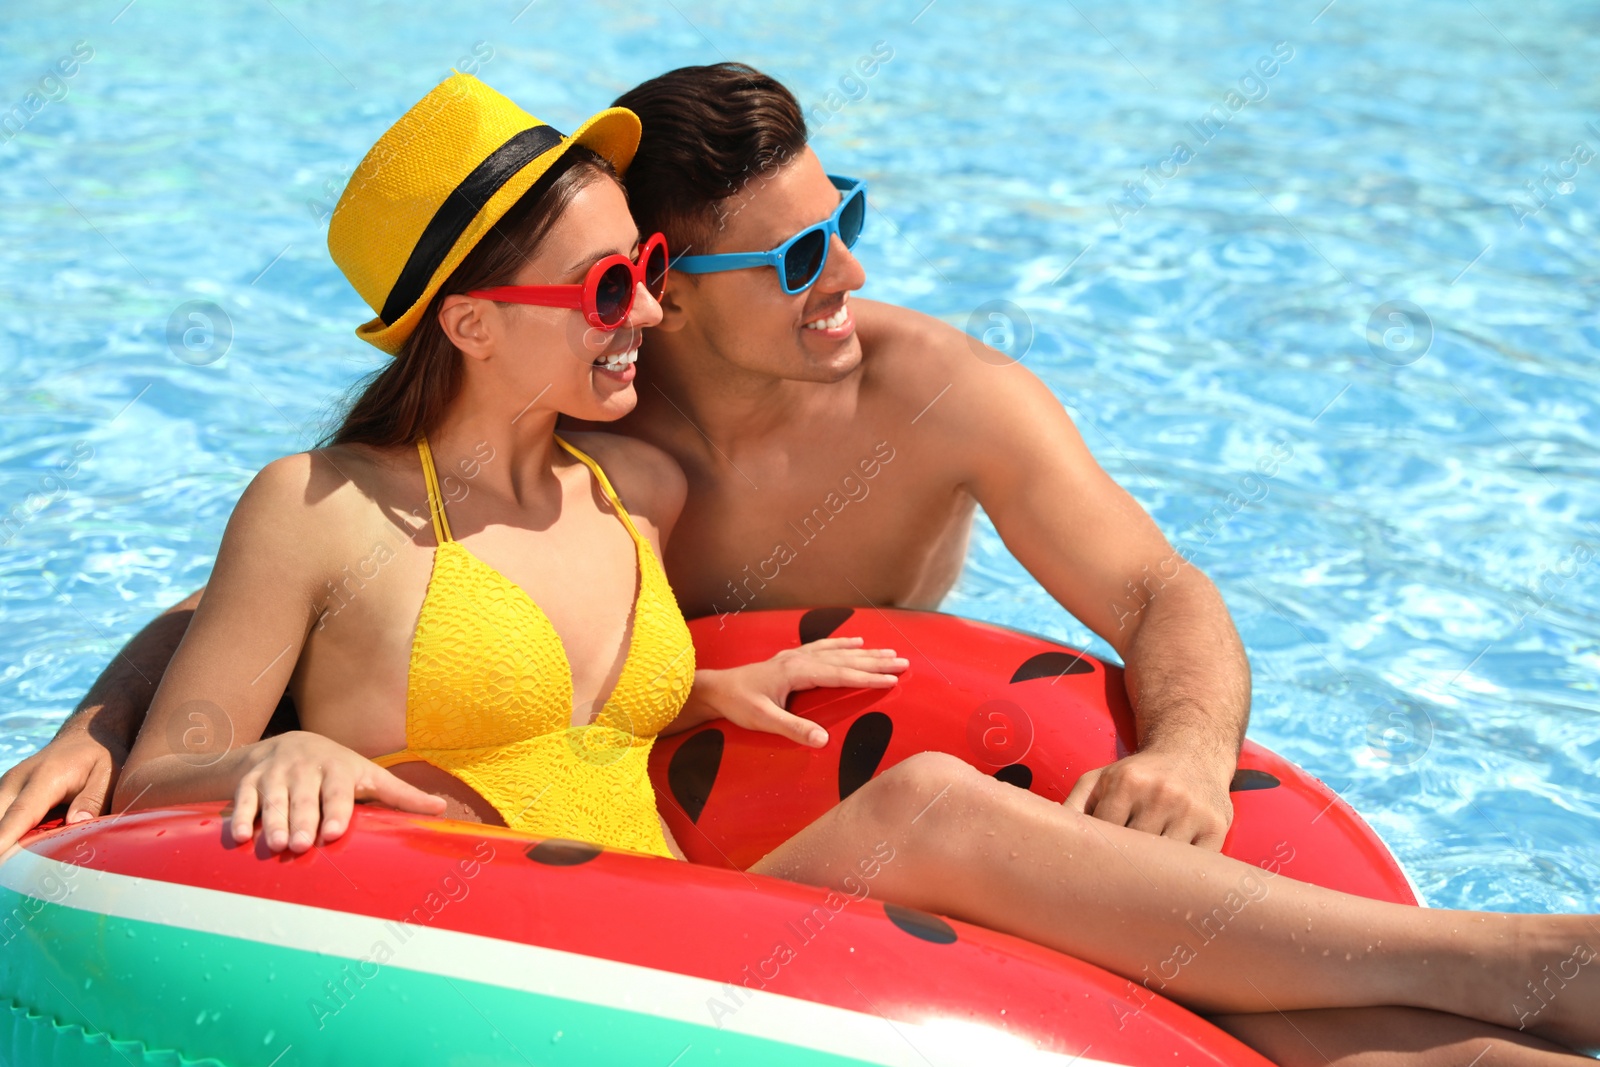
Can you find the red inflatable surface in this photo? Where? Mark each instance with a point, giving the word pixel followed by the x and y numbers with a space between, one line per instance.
pixel 1030 711
pixel 679 943
pixel 634 957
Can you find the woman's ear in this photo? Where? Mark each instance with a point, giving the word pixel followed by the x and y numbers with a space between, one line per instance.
pixel 463 320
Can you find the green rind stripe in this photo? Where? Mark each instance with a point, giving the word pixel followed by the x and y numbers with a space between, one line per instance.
pixel 27 1037
pixel 75 977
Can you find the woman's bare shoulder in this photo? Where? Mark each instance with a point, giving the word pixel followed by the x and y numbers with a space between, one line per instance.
pixel 316 504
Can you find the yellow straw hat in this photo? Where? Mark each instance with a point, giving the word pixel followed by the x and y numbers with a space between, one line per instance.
pixel 436 182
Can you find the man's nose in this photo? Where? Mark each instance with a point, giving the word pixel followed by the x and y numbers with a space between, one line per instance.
pixel 843 270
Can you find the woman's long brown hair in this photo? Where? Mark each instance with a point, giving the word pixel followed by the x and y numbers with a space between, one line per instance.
pixel 408 397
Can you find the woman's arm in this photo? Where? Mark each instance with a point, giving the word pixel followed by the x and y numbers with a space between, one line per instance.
pixel 239 649
pixel 756 695
pixel 201 740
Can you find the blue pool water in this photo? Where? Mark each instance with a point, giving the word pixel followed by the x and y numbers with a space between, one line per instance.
pixel 1415 582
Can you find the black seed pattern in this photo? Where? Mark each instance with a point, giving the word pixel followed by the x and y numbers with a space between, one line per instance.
pixel 1018 774
pixel 1052 665
pixel 693 771
pixel 560 852
pixel 821 622
pixel 862 751
pixel 1245 780
pixel 920 924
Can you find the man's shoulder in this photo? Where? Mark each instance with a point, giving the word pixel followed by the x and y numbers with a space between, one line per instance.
pixel 912 358
pixel 890 333
pixel 623 451
pixel 646 478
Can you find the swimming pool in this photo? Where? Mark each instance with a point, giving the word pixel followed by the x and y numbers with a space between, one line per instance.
pixel 1415 582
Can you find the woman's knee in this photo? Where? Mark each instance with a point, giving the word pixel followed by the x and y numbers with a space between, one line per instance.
pixel 918 789
pixel 885 817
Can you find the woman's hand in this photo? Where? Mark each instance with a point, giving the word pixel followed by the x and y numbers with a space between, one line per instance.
pixel 298 779
pixel 753 696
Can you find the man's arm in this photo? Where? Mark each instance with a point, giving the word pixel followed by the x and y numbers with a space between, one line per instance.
pixel 1188 680
pixel 81 764
pixel 1103 558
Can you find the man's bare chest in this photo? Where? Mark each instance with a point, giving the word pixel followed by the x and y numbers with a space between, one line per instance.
pixel 836 527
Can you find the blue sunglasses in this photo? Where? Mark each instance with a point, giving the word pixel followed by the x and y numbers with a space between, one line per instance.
pixel 800 259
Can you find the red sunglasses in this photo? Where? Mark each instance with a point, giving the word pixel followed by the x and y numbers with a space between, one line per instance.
pixel 606 295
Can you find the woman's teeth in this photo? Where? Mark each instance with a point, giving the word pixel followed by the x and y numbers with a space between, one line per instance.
pixel 617 361
pixel 832 322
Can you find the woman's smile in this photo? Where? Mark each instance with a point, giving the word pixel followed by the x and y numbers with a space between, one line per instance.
pixel 619 365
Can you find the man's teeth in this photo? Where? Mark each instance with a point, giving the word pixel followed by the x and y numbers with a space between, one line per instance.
pixel 617 361
pixel 832 322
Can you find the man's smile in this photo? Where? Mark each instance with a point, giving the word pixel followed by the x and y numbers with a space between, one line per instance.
pixel 832 321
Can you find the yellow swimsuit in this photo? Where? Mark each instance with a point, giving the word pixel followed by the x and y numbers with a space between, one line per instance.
pixel 489 695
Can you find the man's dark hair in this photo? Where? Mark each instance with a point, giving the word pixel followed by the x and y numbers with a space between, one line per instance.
pixel 707 131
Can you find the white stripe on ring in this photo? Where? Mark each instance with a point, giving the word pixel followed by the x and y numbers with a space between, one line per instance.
pixel 533 969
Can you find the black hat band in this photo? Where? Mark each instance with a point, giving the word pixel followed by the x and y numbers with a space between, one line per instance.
pixel 457 213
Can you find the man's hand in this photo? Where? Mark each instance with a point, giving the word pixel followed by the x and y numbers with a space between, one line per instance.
pixel 1162 793
pixel 753 696
pixel 74 768
pixel 82 764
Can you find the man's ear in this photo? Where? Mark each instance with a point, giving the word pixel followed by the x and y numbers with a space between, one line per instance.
pixel 673 313
pixel 463 320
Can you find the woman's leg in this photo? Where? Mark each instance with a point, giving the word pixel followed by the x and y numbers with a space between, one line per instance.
pixel 1208 931
pixel 1390 1037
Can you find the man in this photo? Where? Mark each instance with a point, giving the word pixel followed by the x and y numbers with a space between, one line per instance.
pixel 836 451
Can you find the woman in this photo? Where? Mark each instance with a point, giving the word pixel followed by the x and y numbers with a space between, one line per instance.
pixel 511 285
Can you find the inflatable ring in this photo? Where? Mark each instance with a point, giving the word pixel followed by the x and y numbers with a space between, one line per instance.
pixel 1031 711
pixel 148 938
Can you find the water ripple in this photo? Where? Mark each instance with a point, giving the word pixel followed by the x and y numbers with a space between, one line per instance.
pixel 1411 584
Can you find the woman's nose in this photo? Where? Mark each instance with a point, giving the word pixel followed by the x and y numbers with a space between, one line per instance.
pixel 645 311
